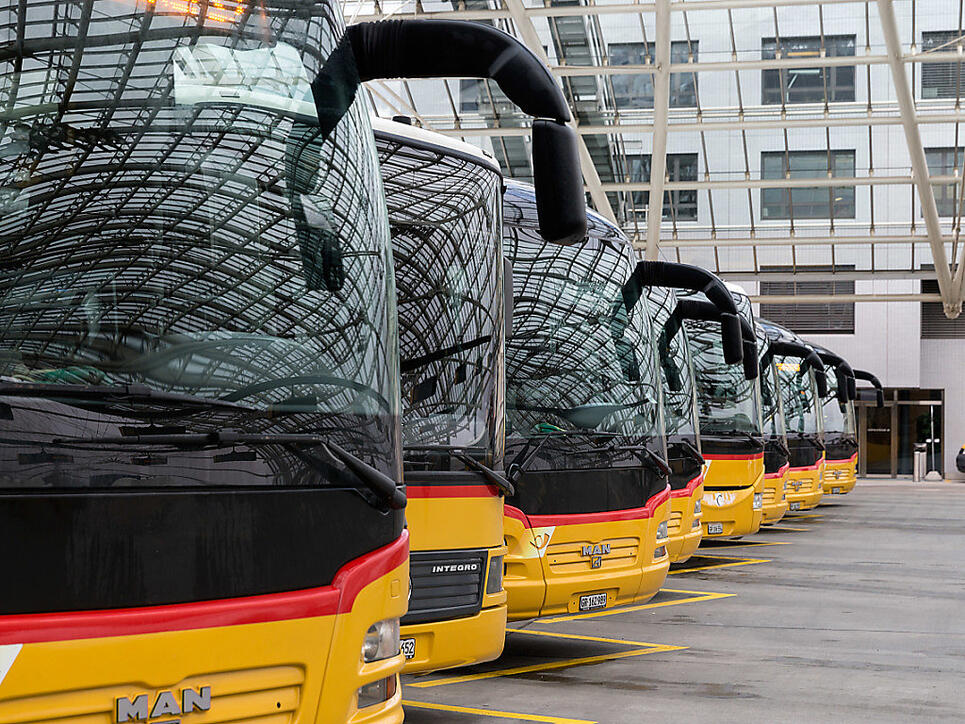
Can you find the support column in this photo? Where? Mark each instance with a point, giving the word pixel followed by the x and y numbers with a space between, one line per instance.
pixel 661 108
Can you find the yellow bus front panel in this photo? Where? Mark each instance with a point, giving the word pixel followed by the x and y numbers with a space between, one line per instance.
pixel 569 563
pixel 775 503
pixel 733 495
pixel 805 487
pixel 447 524
pixel 289 657
pixel 684 528
pixel 840 476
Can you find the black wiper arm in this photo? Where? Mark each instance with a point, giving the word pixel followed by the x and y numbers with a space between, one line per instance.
pixel 123 393
pixel 378 482
pixel 488 473
pixel 695 453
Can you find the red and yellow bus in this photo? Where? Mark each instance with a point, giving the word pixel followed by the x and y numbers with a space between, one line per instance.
pixel 802 382
pixel 445 199
pixel 840 432
pixel 198 385
pixel 776 454
pixel 587 526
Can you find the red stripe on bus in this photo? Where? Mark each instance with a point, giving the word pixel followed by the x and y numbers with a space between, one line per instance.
pixel 753 456
pixel 780 473
pixel 540 521
pixel 809 467
pixel 689 489
pixel 451 491
pixel 844 460
pixel 339 597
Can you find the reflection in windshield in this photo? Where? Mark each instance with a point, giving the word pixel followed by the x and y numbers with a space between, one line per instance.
pixel 838 416
pixel 772 411
pixel 578 362
pixel 446 218
pixel 180 220
pixel 798 395
pixel 726 401
pixel 675 365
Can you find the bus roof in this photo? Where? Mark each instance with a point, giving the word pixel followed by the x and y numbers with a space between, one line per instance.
pixel 414 136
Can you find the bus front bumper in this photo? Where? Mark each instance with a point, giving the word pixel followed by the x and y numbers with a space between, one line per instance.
pixel 840 476
pixel 685 529
pixel 775 500
pixel 730 513
pixel 458 642
pixel 804 487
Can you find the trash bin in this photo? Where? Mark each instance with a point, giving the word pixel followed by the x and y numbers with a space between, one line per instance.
pixel 920 465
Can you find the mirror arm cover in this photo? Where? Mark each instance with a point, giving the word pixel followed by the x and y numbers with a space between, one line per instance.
pixel 708 312
pixel 879 390
pixel 460 49
pixel 671 275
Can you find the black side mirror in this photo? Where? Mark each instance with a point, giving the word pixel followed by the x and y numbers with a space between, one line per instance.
pixel 731 339
pixel 852 389
pixel 751 368
pixel 558 181
pixel 821 378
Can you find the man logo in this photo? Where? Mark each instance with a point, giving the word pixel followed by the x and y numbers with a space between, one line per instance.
pixel 596 561
pixel 600 549
pixel 165 704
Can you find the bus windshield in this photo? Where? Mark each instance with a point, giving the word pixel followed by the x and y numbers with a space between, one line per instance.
pixel 798 395
pixel 675 365
pixel 194 240
pixel 838 416
pixel 772 412
pixel 726 400
pixel 578 364
pixel 445 211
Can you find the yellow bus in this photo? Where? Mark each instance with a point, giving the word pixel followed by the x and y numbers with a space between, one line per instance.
pixel 840 432
pixel 587 526
pixel 776 453
pixel 802 381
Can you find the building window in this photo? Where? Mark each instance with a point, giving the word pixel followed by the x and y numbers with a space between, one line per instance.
pixel 808 85
pixel 944 162
pixel 636 91
pixel 680 204
pixel 834 202
pixel 809 318
pixel 934 323
pixel 942 80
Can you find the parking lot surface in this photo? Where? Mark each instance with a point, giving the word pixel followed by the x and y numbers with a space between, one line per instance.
pixel 852 612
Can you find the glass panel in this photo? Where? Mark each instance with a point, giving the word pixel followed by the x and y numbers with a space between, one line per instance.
pixel 636 91
pixel 942 80
pixel 878 447
pixel 681 204
pixel 945 162
pixel 807 203
pixel 808 85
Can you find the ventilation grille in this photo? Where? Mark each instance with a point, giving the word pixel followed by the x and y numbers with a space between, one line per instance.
pixel 445 585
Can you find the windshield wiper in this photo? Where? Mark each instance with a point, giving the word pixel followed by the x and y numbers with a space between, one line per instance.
pixel 378 482
pixel 489 474
pixel 136 393
pixel 694 452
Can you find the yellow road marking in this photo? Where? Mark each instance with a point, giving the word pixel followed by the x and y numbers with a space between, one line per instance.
pixel 492 713
pixel 724 545
pixel 782 528
pixel 802 516
pixel 549 666
pixel 578 637
pixel 735 561
pixel 694 598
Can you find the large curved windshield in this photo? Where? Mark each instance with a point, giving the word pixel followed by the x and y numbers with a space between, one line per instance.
pixel 727 402
pixel 772 411
pixel 798 395
pixel 675 364
pixel 578 362
pixel 445 211
pixel 193 234
pixel 838 416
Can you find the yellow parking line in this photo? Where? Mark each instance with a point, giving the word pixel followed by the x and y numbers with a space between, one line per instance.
pixel 735 561
pixel 697 596
pixel 578 637
pixel 549 666
pixel 724 545
pixel 495 714
pixel 802 516
pixel 778 528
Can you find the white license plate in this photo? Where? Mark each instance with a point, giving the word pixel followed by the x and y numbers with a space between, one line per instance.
pixel 835 491
pixel 795 506
pixel 407 646
pixel 592 601
pixel 715 528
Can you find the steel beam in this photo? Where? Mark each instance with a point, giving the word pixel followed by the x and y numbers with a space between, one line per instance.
pixel 919 166
pixel 842 298
pixel 778 183
pixel 788 241
pixel 530 38
pixel 661 108
pixel 625 8
pixel 849 275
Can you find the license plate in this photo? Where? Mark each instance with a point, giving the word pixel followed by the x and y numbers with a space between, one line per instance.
pixel 407 646
pixel 795 506
pixel 835 491
pixel 715 528
pixel 592 601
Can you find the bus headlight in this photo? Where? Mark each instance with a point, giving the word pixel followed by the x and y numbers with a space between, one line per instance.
pixel 662 530
pixel 697 507
pixel 381 641
pixel 758 501
pixel 660 552
pixel 494 577
pixel 377 692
